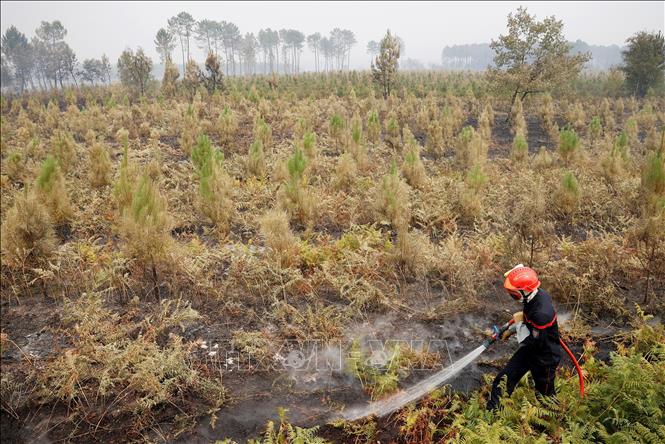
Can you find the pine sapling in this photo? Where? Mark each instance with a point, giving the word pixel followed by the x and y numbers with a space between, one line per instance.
pixel 124 186
pixel 346 172
pixel 309 144
pixel 256 161
pixel 295 197
pixel 64 149
pixel 336 128
pixel 393 132
pixel 373 127
pixel 278 237
pixel 392 200
pixel 27 238
pixel 50 189
pixel 99 165
pixel 215 185
pixel 569 144
pixel 520 151
pixel 567 195
pixel 412 167
pixel 595 129
pixel 145 227
pixel 227 126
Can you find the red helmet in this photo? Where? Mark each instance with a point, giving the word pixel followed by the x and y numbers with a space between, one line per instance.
pixel 521 281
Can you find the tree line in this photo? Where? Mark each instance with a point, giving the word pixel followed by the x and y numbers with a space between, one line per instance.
pixel 269 51
pixel 46 61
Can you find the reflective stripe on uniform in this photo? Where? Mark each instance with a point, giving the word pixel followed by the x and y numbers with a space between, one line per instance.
pixel 541 327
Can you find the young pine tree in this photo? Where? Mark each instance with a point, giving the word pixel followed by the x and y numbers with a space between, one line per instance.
pixel 256 160
pixel 64 149
pixel 145 226
pixel 393 132
pixel 392 200
pixel 278 237
pixel 227 126
pixel 215 185
pixel 50 189
pixel 412 167
pixel 124 186
pixel 99 165
pixel 470 204
pixel 517 119
pixel 569 144
pixel 384 68
pixel 295 197
pixel 346 172
pixel 373 127
pixel 520 151
pixel 567 195
pixel 27 238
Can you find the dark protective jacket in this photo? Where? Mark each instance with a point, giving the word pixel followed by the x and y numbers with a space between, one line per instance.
pixel 543 342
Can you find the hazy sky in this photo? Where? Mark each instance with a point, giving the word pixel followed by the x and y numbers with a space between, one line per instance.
pixel 426 27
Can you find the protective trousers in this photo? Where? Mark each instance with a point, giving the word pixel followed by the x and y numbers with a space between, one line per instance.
pixel 518 365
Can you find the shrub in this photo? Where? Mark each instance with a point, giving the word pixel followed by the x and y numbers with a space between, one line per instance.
pixel 413 252
pixel 392 200
pixel 28 238
pixel 51 191
pixel 99 165
pixel 125 362
pixel 215 193
pixel 282 245
pixel 569 143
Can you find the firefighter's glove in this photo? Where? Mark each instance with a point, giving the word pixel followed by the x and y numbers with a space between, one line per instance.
pixel 508 333
pixel 518 317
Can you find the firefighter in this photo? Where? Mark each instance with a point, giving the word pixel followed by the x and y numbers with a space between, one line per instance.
pixel 537 333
